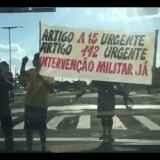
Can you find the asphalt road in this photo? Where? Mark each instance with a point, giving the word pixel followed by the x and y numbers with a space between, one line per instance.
pixel 74 127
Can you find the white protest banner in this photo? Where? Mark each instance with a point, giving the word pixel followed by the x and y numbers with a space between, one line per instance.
pixel 97 55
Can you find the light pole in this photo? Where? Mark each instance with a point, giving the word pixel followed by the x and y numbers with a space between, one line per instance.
pixel 9 31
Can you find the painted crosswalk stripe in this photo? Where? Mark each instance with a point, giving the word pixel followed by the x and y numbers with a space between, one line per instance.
pixel 92 139
pixel 84 122
pixel 54 122
pixel 14 117
pixel 94 107
pixel 147 123
pixel 19 126
pixel 117 124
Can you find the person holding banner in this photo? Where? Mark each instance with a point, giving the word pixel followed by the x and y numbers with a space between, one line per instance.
pixel 106 105
pixel 38 89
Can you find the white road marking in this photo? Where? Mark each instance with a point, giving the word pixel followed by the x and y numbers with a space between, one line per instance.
pixel 17 110
pixel 91 139
pixel 94 107
pixel 89 107
pixel 117 124
pixel 84 122
pixel 94 95
pixel 71 111
pixel 19 126
pixel 54 122
pixel 147 123
pixel 14 117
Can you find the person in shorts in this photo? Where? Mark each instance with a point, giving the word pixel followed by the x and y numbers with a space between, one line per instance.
pixel 38 88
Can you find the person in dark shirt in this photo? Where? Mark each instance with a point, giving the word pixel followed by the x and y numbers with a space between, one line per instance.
pixel 5 111
pixel 105 108
pixel 106 105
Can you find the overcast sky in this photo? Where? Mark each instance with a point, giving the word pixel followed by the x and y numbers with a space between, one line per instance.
pixel 25 41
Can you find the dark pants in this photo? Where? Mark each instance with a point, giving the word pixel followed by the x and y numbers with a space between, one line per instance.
pixel 35 119
pixel 6 124
pixel 106 120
